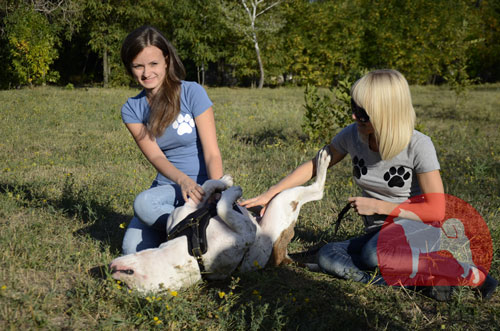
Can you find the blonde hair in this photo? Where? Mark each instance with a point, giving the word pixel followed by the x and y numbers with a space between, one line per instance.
pixel 385 95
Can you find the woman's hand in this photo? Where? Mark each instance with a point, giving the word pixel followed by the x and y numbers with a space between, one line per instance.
pixel 369 206
pixel 190 189
pixel 261 200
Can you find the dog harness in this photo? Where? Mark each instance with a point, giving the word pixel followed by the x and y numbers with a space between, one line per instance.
pixel 194 227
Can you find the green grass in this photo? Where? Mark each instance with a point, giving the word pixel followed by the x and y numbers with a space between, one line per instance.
pixel 69 172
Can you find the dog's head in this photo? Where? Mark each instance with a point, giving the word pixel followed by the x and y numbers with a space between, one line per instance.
pixel 154 269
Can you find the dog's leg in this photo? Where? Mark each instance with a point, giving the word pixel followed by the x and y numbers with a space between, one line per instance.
pixel 238 222
pixel 415 254
pixel 278 222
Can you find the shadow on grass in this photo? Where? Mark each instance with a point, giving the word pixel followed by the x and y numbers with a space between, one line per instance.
pixel 101 222
pixel 304 302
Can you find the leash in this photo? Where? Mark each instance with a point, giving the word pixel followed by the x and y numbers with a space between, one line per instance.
pixel 314 249
pixel 340 217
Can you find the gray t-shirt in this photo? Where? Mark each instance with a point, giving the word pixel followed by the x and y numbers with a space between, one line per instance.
pixel 391 180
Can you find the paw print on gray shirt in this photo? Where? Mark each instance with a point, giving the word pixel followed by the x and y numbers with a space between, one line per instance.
pixel 396 177
pixel 359 167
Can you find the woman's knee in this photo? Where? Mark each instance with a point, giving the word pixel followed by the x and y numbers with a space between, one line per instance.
pixel 369 253
pixel 143 202
pixel 131 239
pixel 331 259
pixel 139 236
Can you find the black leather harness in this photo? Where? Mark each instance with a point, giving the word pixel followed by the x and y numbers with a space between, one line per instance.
pixel 194 227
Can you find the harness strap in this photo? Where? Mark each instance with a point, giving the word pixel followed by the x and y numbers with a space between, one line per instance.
pixel 194 227
pixel 190 227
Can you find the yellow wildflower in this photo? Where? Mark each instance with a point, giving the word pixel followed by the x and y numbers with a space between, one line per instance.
pixel 173 293
pixel 221 294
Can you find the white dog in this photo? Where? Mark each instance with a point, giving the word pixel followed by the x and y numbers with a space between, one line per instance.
pixel 235 239
pixel 425 238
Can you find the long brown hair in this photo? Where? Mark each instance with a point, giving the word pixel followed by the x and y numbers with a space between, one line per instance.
pixel 165 104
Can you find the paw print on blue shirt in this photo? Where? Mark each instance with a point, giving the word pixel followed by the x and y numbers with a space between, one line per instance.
pixel 359 167
pixel 183 124
pixel 396 177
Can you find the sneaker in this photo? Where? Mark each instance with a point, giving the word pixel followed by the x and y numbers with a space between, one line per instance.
pixel 439 293
pixel 487 288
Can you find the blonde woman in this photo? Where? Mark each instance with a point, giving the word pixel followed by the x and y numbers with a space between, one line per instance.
pixel 391 163
pixel 172 122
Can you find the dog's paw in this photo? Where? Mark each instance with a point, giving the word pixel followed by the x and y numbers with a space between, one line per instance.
pixel 227 179
pixel 234 190
pixel 323 158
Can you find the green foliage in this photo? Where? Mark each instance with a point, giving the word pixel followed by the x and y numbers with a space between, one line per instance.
pixel 325 115
pixel 31 44
pixel 323 40
pixel 308 42
pixel 457 76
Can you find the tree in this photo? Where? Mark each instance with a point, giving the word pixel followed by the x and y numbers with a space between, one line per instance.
pixel 323 40
pixel 31 42
pixel 106 31
pixel 198 32
pixel 252 18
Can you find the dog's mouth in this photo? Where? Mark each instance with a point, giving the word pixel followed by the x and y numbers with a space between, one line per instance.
pixel 114 270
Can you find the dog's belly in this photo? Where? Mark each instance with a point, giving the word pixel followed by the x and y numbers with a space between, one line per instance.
pixel 226 249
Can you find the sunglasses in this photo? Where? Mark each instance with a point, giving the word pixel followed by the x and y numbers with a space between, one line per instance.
pixel 359 112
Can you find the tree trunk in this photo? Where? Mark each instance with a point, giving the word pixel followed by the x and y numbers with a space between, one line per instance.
pixel 105 70
pixel 203 73
pixel 261 66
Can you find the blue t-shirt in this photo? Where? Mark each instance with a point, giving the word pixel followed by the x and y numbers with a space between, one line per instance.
pixel 180 142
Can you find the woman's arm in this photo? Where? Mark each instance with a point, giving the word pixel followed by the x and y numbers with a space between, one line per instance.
pixel 205 124
pixel 299 176
pixel 155 156
pixel 432 209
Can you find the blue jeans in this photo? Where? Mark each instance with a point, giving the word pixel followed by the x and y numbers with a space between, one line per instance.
pixel 151 210
pixel 351 258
